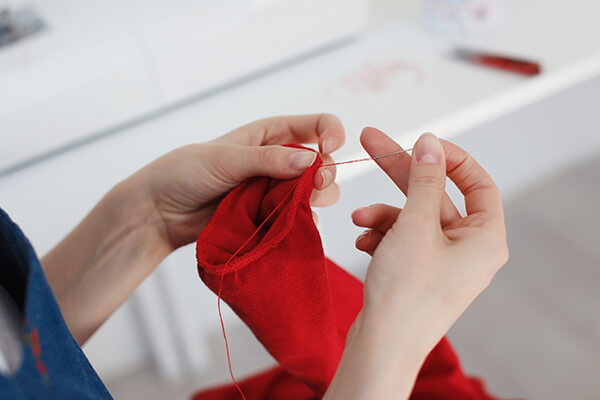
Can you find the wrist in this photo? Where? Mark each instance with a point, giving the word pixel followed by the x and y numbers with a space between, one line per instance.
pixel 132 210
pixel 382 359
pixel 101 262
pixel 419 318
pixel 398 338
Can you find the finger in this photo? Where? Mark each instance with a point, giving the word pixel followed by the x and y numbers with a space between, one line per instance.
pixel 480 191
pixel 427 178
pixel 324 129
pixel 325 197
pixel 315 217
pixel 368 241
pixel 325 176
pixel 375 142
pixel 380 217
pixel 237 163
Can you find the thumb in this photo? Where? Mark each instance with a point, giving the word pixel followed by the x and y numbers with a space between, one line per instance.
pixel 427 177
pixel 277 162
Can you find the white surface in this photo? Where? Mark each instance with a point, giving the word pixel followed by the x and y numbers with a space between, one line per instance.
pixel 518 150
pixel 100 65
pixel 464 95
pixel 445 96
pixel 403 68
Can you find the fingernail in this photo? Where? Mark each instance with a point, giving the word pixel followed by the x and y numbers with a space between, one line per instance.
pixel 301 160
pixel 329 145
pixel 327 177
pixel 362 236
pixel 428 149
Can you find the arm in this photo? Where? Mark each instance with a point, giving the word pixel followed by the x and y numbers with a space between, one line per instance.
pixel 166 204
pixel 100 263
pixel 429 263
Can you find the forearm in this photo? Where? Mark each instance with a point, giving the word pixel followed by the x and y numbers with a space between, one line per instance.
pixel 381 359
pixel 101 262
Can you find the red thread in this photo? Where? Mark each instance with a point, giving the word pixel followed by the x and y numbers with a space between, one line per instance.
pixel 225 267
pixel 367 158
pixel 237 386
pixel 347 162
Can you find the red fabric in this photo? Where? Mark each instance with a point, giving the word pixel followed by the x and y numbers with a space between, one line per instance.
pixel 442 378
pixel 298 303
pixel 273 384
pixel 278 285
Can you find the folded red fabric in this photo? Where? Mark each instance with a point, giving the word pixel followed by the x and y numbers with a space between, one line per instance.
pixel 298 303
pixel 278 285
pixel 273 384
pixel 442 378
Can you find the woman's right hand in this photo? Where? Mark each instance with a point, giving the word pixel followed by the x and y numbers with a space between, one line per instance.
pixel 429 263
pixel 427 259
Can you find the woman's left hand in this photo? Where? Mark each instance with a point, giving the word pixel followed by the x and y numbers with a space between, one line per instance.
pixel 167 203
pixel 186 185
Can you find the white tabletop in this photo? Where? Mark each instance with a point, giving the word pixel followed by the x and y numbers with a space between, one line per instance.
pixel 399 78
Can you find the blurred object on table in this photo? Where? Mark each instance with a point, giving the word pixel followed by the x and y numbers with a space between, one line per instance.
pixel 18 24
pixel 463 16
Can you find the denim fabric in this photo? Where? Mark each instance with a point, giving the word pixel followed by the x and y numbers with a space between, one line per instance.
pixel 54 367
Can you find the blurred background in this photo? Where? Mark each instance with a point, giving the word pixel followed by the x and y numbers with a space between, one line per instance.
pixel 91 91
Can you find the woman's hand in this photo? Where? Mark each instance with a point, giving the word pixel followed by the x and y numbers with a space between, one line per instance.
pixel 186 185
pixel 167 203
pixel 429 263
pixel 428 256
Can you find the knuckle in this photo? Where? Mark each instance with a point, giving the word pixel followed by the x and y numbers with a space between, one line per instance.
pixel 496 249
pixel 428 181
pixel 267 156
pixel 327 120
pixel 419 222
pixel 328 117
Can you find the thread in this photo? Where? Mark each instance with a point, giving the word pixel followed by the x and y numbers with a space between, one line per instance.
pixel 367 158
pixel 237 386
